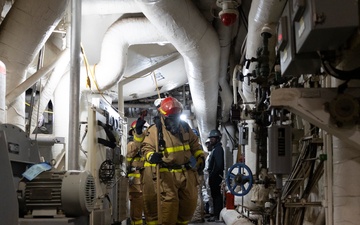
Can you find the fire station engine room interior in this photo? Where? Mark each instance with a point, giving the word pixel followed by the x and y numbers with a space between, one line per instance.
pixel 278 78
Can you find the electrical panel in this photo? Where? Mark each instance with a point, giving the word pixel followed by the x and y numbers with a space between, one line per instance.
pixel 280 145
pixel 243 135
pixel 323 24
pixel 292 63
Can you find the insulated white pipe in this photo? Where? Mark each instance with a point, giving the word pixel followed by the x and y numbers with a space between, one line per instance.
pixel 50 86
pixel 250 159
pixel 261 13
pixel 346 183
pixel 2 92
pixel 21 88
pixel 228 133
pixel 114 48
pixel 61 115
pixel 225 38
pixel 181 23
pixel 235 83
pixel 35 20
pixel 232 217
pixel 92 7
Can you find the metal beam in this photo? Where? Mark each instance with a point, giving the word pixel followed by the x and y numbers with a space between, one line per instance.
pixel 310 104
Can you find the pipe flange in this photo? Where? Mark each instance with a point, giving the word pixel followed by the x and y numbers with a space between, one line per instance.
pixel 344 109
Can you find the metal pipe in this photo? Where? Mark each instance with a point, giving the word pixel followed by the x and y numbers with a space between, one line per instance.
pixel 234 82
pixel 33 92
pixel 171 58
pixel 74 135
pixel 21 88
pixel 329 179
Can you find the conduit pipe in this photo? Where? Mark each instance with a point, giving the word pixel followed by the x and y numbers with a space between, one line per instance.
pixel 24 31
pixel 234 83
pixel 48 90
pixel 21 88
pixel 182 24
pixel 114 48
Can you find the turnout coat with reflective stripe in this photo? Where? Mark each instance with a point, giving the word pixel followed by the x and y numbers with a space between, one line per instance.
pixel 178 149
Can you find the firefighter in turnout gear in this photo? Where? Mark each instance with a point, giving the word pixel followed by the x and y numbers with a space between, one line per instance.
pixel 170 143
pixel 135 165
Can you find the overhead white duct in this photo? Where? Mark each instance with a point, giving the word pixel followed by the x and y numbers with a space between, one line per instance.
pixel 96 7
pixel 182 24
pixel 114 49
pixel 23 32
pixel 225 38
pixel 30 81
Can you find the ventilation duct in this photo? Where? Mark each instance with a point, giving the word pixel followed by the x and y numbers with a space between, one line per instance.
pixel 182 24
pixel 23 32
pixel 114 49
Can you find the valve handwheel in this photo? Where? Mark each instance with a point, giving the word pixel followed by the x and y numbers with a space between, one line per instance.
pixel 239 176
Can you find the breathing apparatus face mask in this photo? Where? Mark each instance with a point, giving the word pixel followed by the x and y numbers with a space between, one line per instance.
pixel 172 124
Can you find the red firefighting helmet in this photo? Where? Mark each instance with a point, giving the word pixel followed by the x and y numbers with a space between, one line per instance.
pixel 132 127
pixel 170 107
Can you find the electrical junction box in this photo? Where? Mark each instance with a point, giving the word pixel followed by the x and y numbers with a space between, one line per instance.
pixel 291 63
pixel 243 135
pixel 323 24
pixel 280 145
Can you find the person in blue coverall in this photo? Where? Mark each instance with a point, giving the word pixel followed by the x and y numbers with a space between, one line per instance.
pixel 216 173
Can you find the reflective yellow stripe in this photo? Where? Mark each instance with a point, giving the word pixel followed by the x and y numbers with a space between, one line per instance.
pixel 198 153
pixel 135 159
pixel 154 222
pixel 172 170
pixel 162 111
pixel 148 155
pixel 137 175
pixel 182 222
pixel 178 148
pixel 139 139
pixel 136 222
pixel 147 164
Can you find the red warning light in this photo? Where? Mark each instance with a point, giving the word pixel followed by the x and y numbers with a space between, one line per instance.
pixel 228 18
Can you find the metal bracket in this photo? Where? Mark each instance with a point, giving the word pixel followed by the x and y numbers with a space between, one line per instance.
pixel 310 104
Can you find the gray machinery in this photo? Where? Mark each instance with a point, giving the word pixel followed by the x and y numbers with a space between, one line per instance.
pixel 8 211
pixel 52 197
pixel 280 146
pixel 308 26
pixel 57 194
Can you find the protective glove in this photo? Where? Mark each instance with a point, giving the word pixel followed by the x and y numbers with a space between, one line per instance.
pixel 129 169
pixel 200 164
pixel 156 157
pixel 139 125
